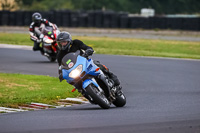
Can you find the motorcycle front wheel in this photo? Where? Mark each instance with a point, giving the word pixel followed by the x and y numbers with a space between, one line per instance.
pixel 97 96
pixel 120 99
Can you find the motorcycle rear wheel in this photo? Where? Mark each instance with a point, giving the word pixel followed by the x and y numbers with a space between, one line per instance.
pixel 52 59
pixel 97 96
pixel 120 99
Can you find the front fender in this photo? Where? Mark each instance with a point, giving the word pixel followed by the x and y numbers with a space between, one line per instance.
pixel 89 81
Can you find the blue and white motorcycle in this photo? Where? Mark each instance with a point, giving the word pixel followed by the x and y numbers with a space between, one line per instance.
pixel 89 80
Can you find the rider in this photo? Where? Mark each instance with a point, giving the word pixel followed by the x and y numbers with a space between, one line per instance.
pixel 36 24
pixel 68 45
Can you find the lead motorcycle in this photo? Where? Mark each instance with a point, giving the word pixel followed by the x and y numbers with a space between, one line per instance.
pixel 47 35
pixel 88 79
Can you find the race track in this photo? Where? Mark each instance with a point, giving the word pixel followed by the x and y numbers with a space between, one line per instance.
pixel 163 96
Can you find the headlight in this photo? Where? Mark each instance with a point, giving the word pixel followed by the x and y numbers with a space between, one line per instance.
pixel 76 72
pixel 48 40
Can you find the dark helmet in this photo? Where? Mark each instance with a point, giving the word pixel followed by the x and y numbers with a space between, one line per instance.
pixel 36 17
pixel 64 37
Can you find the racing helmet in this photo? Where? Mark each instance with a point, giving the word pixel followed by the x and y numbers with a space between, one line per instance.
pixel 64 37
pixel 36 17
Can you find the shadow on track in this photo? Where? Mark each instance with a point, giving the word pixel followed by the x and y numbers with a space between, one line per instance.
pixel 81 108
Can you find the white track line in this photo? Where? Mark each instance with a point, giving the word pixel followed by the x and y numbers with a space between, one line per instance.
pixel 16 46
pixel 9 110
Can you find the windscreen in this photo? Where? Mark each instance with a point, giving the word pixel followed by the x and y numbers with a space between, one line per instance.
pixel 69 60
pixel 47 30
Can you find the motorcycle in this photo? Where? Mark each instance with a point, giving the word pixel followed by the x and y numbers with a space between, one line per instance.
pixel 88 79
pixel 48 38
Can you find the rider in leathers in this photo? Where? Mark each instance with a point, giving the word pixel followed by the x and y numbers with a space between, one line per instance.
pixel 68 45
pixel 36 24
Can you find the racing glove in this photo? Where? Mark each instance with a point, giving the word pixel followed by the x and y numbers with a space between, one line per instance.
pixel 61 77
pixel 41 36
pixel 60 74
pixel 88 52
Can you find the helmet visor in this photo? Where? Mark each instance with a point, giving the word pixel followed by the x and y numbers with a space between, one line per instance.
pixel 37 21
pixel 63 44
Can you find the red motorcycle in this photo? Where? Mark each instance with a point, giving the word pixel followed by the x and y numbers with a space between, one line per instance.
pixel 49 44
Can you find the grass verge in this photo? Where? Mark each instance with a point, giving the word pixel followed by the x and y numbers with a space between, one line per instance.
pixel 19 89
pixel 124 46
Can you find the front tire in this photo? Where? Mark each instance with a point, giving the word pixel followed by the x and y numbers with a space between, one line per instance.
pixel 97 96
pixel 120 99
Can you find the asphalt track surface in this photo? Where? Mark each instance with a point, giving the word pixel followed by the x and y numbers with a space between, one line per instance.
pixel 163 96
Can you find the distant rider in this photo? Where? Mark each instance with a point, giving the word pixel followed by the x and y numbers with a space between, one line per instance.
pixel 35 34
pixel 68 45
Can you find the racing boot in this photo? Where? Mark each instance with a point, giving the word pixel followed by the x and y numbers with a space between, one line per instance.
pixel 114 78
pixel 107 72
pixel 37 47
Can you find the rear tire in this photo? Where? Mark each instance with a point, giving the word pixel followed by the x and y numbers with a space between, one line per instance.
pixel 97 96
pixel 120 99
pixel 52 59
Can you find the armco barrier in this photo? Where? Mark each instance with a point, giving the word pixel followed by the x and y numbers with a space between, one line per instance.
pixel 57 18
pixel 65 18
pixel 27 18
pixel 12 19
pixel 20 18
pixel 100 19
pixel 74 19
pixel 123 20
pixel 1 17
pixel 190 24
pixel 174 23
pixel 157 22
pixel 114 20
pixel 83 19
pixel 110 19
pixel 106 20
pixel 91 19
pixel 4 17
pixel 139 22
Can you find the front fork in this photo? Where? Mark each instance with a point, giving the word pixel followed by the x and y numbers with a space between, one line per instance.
pixel 109 85
pixel 55 47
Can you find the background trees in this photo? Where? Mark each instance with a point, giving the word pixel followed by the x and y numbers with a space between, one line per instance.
pixel 131 6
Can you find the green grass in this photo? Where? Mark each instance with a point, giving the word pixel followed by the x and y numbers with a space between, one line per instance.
pixel 15 38
pixel 144 47
pixel 122 46
pixel 19 89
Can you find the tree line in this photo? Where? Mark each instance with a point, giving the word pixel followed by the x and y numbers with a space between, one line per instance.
pixel 131 6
